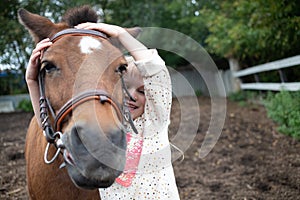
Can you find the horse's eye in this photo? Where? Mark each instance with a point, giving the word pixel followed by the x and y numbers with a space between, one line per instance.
pixel 49 67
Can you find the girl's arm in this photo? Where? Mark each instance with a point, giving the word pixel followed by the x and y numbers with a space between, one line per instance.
pixel 32 74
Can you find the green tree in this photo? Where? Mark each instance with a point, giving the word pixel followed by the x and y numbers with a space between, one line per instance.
pixel 11 42
pixel 176 15
pixel 252 32
pixel 15 42
pixel 246 32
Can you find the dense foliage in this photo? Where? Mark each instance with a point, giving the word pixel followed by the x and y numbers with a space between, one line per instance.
pixel 243 96
pixel 284 108
pixel 25 105
pixel 256 31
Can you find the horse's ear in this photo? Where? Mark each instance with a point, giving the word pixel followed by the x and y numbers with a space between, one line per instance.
pixel 39 27
pixel 135 31
pixel 132 31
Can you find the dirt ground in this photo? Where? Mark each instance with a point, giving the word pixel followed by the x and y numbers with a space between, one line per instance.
pixel 251 160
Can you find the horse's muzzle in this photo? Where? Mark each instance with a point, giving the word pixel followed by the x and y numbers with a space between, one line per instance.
pixel 94 159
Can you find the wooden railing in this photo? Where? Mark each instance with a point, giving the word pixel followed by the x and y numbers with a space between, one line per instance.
pixel 276 65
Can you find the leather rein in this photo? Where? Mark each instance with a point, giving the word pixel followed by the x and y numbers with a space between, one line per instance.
pixel 53 135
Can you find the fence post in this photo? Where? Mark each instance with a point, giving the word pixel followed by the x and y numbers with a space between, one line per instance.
pixel 234 67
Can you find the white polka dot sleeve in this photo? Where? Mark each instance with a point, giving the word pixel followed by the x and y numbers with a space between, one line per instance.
pixel 158 92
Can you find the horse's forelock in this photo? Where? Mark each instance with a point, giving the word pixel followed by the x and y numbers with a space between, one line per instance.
pixel 80 15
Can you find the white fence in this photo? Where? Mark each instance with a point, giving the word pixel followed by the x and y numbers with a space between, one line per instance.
pixel 189 82
pixel 9 103
pixel 276 65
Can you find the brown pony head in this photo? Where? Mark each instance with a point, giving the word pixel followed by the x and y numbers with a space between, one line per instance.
pixel 93 135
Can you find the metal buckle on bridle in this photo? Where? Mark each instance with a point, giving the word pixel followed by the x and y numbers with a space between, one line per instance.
pixel 59 145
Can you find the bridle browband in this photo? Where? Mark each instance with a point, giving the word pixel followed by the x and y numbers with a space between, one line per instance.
pixel 78 32
pixel 53 135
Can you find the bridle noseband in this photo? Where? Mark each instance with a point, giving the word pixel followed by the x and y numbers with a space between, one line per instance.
pixel 99 95
pixel 53 135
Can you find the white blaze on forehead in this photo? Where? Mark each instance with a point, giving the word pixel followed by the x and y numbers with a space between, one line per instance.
pixel 88 44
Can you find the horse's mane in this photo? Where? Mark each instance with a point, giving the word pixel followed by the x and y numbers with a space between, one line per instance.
pixel 79 15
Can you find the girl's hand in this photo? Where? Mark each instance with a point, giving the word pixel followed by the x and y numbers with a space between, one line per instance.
pixel 33 64
pixel 111 30
pixel 133 46
pixel 31 76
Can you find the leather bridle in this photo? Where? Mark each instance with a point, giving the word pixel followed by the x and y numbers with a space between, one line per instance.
pixel 53 134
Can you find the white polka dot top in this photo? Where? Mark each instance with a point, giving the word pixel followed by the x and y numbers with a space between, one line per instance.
pixel 154 178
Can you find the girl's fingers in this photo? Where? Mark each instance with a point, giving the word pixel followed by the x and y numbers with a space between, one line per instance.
pixel 37 52
pixel 106 28
pixel 32 69
pixel 83 25
pixel 35 55
pixel 40 46
pixel 111 30
pixel 45 40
